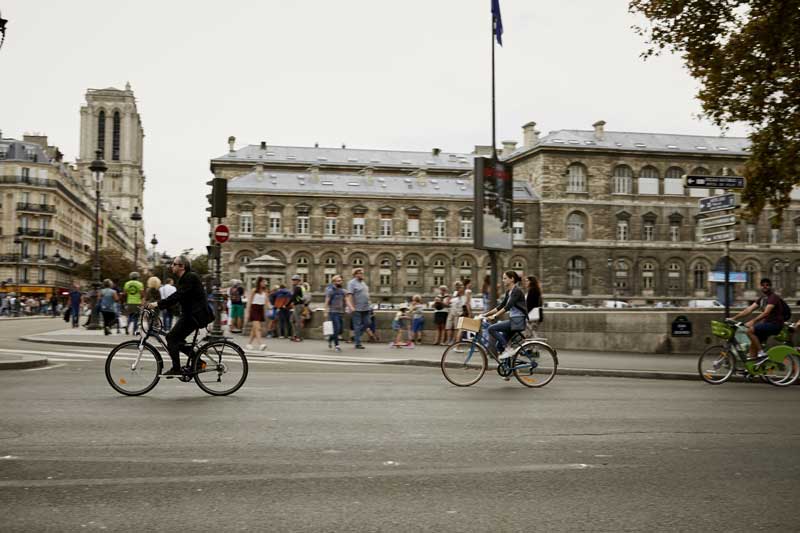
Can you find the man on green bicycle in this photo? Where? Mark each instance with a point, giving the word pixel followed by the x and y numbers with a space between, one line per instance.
pixel 769 321
pixel 196 314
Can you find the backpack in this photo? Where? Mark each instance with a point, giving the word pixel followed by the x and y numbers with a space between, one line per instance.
pixel 306 295
pixel 786 312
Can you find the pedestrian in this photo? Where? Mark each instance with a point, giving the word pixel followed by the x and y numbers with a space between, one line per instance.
pixel 417 318
pixel 236 299
pixel 334 308
pixel 153 292
pixel 372 325
pixel 271 321
pixel 357 295
pixel 485 290
pixel 439 319
pixel 467 311
pixel 108 296
pixel 283 303
pixel 133 290
pixel 255 315
pixel 75 298
pixel 166 291
pixel 298 304
pixel 54 304
pixel 533 300
pixel 401 323
pixel 455 310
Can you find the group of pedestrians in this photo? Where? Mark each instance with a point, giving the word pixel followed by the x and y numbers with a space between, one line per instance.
pixel 11 305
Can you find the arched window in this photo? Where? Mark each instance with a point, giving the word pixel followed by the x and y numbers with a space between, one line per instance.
pixel 518 266
pixel 699 276
pixel 413 274
pixel 648 180
pixel 621 274
pixel 302 263
pixel 576 227
pixel 576 268
pixel 751 272
pixel 330 270
pixel 673 181
pixel 115 138
pixel 101 133
pixel 439 272
pixel 576 178
pixel 623 180
pixel 385 272
pixel 648 275
pixel 674 276
pixel 358 261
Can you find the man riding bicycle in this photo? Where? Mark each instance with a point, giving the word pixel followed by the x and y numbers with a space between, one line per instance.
pixel 768 323
pixel 195 313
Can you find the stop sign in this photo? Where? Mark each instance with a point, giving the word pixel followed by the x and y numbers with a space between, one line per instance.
pixel 221 233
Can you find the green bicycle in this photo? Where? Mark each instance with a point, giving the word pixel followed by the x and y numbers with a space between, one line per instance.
pixel 718 363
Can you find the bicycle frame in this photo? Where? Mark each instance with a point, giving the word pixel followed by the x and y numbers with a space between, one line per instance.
pixel 156 333
pixel 776 354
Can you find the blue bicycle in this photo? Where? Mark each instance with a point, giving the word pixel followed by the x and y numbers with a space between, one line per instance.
pixel 534 362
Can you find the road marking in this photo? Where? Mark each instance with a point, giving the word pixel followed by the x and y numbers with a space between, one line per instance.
pixel 48 367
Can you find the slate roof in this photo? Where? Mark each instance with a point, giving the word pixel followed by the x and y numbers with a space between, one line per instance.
pixel 14 150
pixel 356 184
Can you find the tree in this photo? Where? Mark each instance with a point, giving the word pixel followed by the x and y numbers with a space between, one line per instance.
pixel 746 56
pixel 112 266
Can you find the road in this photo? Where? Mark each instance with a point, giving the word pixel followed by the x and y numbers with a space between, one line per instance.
pixel 306 446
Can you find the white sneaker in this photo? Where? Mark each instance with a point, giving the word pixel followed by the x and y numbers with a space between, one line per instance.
pixel 508 352
pixel 248 347
pixel 263 347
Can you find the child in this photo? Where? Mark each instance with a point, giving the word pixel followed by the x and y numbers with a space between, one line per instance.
pixel 417 318
pixel 440 319
pixel 400 323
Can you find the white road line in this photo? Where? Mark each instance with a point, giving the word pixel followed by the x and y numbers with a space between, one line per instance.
pixel 42 368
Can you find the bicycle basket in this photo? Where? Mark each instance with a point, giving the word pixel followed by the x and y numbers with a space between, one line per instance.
pixel 721 330
pixel 469 324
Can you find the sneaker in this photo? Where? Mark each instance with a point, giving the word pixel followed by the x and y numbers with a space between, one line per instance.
pixel 508 352
pixel 263 347
pixel 337 348
pixel 172 373
pixel 360 346
pixel 248 347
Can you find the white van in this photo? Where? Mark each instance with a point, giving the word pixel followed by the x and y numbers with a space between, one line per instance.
pixel 704 304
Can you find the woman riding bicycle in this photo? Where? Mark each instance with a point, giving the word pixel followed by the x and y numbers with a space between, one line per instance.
pixel 191 294
pixel 514 303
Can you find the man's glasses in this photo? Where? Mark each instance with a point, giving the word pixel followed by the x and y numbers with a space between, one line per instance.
pixel 176 264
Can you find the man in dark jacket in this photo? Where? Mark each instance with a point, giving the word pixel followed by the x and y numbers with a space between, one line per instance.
pixel 191 294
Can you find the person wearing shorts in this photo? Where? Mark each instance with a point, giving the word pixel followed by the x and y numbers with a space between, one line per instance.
pixel 417 318
pixel 235 295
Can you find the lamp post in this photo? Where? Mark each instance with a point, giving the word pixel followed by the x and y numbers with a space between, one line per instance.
pixel 136 216
pixel 612 288
pixel 154 242
pixel 17 240
pixel 98 168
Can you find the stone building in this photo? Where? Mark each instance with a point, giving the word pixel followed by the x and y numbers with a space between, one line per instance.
pixel 598 215
pixel 46 209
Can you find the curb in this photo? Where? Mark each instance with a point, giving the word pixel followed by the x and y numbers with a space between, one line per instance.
pixel 25 361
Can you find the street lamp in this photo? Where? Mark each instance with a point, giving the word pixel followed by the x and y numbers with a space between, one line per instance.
pixel 611 287
pixel 136 216
pixel 154 242
pixel 18 240
pixel 98 168
pixel 2 30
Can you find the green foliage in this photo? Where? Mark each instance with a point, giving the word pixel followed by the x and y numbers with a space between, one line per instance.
pixel 746 56
pixel 112 266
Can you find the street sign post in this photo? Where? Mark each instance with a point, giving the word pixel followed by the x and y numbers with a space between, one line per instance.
pixel 221 233
pixel 715 182
pixel 716 222
pixel 723 236
pixel 722 202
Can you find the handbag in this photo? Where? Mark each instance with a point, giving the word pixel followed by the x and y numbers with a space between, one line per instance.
pixel 517 323
pixel 327 327
pixel 535 314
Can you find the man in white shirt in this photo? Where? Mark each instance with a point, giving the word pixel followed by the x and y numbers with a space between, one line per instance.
pixel 166 290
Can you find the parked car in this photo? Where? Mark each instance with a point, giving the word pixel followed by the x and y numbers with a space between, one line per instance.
pixel 577 306
pixel 704 304
pixel 616 304
pixel 556 305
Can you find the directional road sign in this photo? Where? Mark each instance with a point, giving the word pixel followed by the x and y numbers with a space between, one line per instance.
pixel 717 203
pixel 715 182
pixel 723 236
pixel 221 233
pixel 716 222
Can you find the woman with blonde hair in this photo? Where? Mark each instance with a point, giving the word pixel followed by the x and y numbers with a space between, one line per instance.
pixel 152 294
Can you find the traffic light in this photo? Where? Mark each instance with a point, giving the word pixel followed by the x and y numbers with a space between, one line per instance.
pixel 218 199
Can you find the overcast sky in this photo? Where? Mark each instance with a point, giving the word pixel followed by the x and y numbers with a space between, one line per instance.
pixel 406 75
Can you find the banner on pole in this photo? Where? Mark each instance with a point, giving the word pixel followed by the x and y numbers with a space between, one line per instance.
pixel 494 204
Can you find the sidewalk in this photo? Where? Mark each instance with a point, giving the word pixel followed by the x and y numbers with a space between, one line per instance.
pixel 570 362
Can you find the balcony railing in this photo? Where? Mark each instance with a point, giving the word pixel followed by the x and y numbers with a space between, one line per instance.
pixel 38 260
pixel 36 232
pixel 36 208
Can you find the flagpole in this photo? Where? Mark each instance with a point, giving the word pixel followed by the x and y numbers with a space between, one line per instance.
pixel 494 141
pixel 493 260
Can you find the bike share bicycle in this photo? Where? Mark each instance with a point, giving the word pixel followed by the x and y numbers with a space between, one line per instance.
pixel 534 362
pixel 718 363
pixel 218 366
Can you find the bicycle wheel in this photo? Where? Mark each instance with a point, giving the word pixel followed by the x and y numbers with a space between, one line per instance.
pixel 535 364
pixel 716 365
pixel 784 373
pixel 220 368
pixel 464 363
pixel 131 372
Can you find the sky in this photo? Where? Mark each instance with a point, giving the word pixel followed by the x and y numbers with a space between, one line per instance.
pixel 382 74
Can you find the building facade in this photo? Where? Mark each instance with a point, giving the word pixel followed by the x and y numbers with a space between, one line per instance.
pixel 597 215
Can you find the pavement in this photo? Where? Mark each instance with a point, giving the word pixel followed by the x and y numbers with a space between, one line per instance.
pixel 583 363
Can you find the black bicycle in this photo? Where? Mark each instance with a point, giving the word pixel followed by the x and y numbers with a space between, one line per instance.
pixel 218 366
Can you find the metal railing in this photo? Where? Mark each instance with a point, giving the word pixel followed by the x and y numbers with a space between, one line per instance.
pixel 36 232
pixel 36 208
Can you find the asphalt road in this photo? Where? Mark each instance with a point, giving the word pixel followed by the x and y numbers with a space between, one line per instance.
pixel 351 447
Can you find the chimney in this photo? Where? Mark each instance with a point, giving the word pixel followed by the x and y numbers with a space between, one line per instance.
pixel 344 146
pixel 231 142
pixel 41 140
pixel 599 132
pixel 263 145
pixel 436 152
pixel 483 149
pixel 508 148
pixel 529 135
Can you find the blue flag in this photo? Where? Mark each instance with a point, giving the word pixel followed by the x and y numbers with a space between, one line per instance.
pixel 498 22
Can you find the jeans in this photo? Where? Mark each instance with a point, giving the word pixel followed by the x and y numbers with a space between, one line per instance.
pixel 166 318
pixel 283 322
pixel 75 314
pixel 336 318
pixel 501 332
pixel 133 318
pixel 360 323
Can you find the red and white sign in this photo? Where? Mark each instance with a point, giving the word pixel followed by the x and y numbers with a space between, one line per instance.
pixel 221 233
